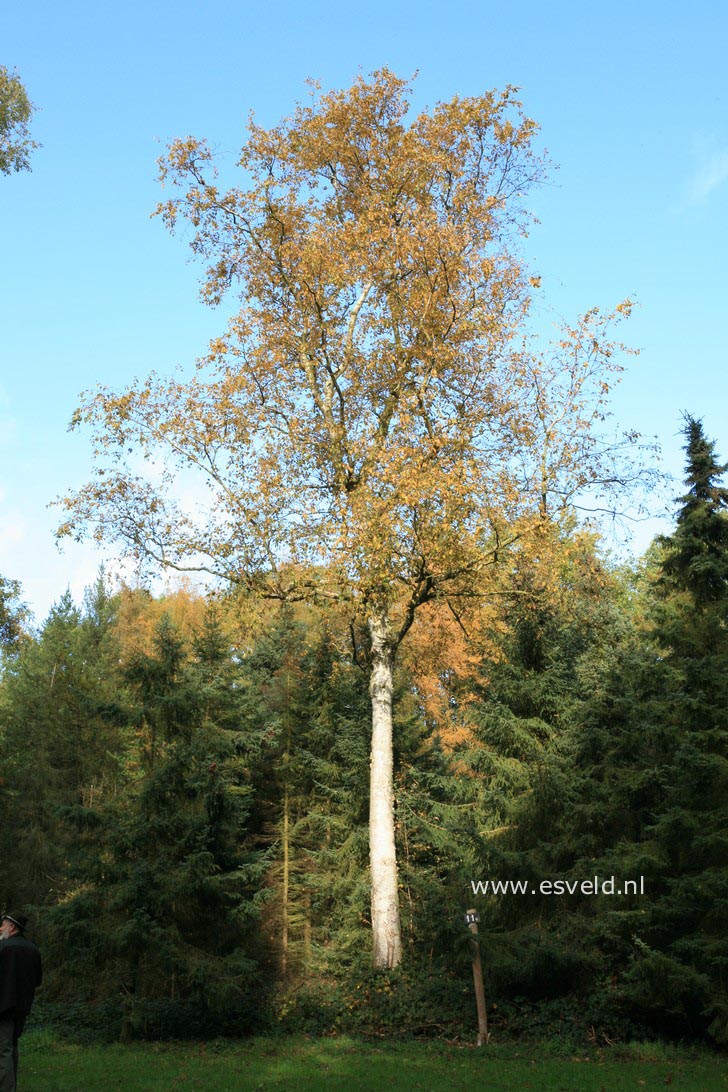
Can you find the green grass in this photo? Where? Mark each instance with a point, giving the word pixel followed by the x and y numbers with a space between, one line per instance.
pixel 303 1065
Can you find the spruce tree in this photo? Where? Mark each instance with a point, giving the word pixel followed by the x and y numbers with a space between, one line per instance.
pixel 309 707
pixel 682 964
pixel 167 897
pixel 696 555
pixel 640 789
pixel 547 803
pixel 59 734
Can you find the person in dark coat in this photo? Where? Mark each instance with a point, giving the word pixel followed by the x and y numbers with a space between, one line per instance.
pixel 20 975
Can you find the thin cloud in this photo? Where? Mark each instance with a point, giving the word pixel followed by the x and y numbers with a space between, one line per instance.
pixel 710 174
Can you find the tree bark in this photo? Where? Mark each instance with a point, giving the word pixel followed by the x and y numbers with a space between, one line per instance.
pixel 386 932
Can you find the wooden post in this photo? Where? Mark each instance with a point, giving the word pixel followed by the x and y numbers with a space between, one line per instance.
pixel 472 917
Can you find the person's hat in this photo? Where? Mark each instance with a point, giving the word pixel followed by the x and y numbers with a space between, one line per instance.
pixel 17 919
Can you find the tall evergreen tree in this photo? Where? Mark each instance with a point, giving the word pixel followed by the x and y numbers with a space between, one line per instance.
pixel 640 787
pixel 696 555
pixel 526 756
pixel 310 707
pixel 59 732
pixel 683 964
pixel 166 898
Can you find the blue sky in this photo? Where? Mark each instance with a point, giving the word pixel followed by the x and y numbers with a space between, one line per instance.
pixel 631 100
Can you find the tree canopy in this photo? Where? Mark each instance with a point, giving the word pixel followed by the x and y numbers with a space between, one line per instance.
pixel 373 407
pixel 375 428
pixel 16 110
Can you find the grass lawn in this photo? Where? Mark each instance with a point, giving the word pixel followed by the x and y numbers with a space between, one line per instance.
pixel 304 1065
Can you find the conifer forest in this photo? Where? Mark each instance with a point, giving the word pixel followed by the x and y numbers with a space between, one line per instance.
pixel 395 675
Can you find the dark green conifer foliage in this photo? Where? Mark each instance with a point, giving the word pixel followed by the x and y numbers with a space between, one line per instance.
pixel 311 705
pixel 310 708
pixel 437 832
pixel 197 824
pixel 542 808
pixel 58 743
pixel 696 555
pixel 168 898
pixel 640 787
pixel 682 965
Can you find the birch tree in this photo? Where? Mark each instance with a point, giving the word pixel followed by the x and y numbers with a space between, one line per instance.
pixel 373 427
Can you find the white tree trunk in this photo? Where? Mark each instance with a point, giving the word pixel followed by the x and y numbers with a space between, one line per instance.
pixel 386 933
